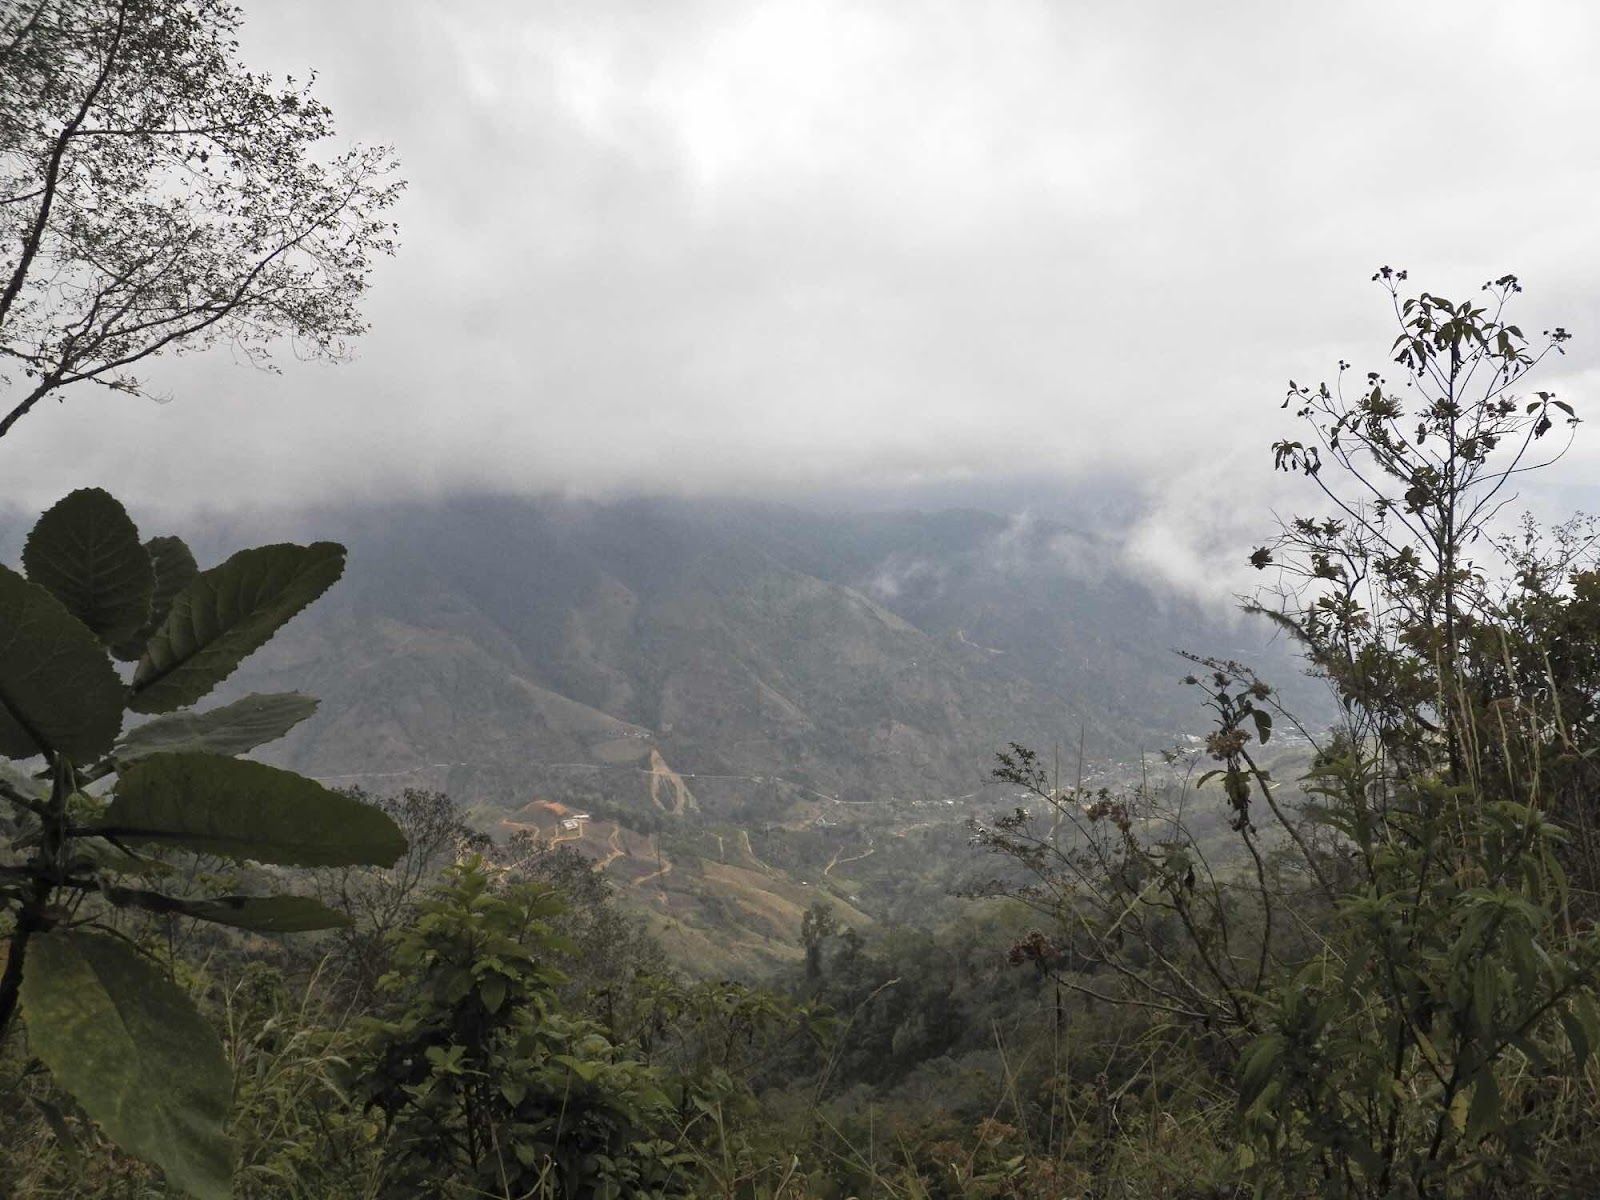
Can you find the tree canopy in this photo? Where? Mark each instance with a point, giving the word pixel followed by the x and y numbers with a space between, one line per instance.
pixel 158 198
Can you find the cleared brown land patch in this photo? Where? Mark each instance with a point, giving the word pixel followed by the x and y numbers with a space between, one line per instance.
pixel 663 779
pixel 781 904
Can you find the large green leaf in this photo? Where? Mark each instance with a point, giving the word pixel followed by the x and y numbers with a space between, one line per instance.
pixel 232 729
pixel 265 914
pixel 212 804
pixel 131 1049
pixel 85 551
pixel 57 686
pixel 174 567
pixel 225 613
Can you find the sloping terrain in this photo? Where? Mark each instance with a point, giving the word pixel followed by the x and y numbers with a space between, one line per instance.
pixel 683 671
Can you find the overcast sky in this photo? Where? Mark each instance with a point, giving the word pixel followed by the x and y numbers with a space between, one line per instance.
pixel 782 247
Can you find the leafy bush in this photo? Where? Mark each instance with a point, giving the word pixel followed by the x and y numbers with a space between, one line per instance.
pixel 485 1085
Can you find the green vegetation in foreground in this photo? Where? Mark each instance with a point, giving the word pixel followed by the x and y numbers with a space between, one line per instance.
pixel 83 854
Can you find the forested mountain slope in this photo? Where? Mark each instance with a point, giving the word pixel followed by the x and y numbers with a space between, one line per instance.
pixel 754 706
pixel 487 646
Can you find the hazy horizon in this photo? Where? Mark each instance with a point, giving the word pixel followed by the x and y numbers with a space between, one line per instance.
pixel 871 254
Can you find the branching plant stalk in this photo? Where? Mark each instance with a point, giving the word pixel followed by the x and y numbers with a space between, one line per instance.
pixel 45 866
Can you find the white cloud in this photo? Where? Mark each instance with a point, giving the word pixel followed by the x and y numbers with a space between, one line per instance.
pixel 745 246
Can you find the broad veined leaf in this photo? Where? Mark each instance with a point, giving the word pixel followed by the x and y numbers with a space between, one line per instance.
pixel 1484 1112
pixel 232 729
pixel 235 808
pixel 1263 720
pixel 224 614
pixel 85 551
pixel 131 1049
pixel 174 567
pixel 57 685
pixel 265 914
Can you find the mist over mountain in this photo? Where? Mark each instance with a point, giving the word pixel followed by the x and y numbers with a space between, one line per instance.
pixel 736 697
pixel 485 644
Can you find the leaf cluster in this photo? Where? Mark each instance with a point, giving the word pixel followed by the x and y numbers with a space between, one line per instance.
pixel 115 807
pixel 484 1083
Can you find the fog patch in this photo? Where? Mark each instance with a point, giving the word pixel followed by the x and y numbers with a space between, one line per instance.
pixel 904 574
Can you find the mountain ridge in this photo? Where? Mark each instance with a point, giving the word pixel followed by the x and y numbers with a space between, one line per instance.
pixel 806 677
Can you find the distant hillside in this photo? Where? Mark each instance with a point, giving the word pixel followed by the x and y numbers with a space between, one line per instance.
pixel 695 675
pixel 487 645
